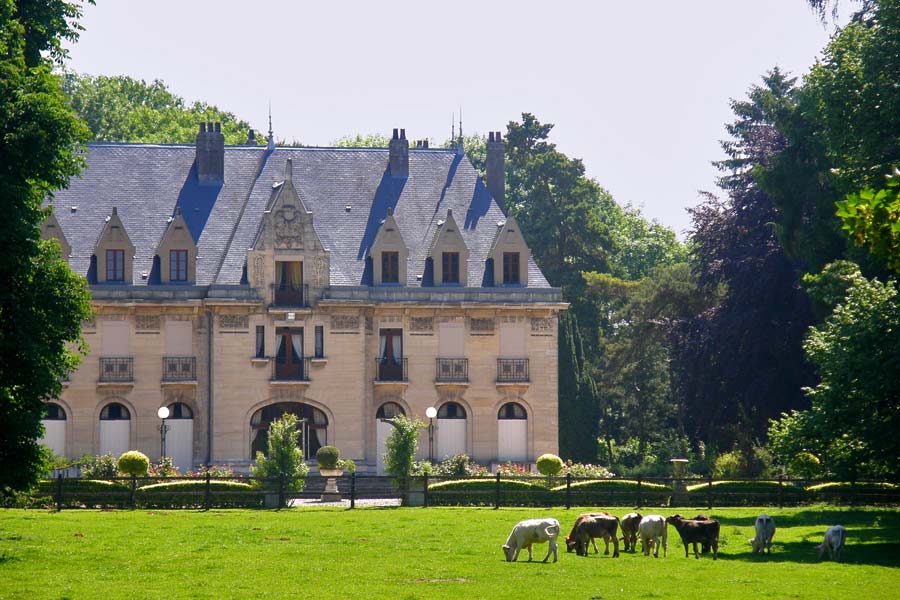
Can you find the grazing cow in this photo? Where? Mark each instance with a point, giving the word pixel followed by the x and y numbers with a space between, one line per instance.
pixel 696 532
pixel 605 526
pixel 650 530
pixel 630 529
pixel 833 543
pixel 704 547
pixel 765 529
pixel 570 541
pixel 532 531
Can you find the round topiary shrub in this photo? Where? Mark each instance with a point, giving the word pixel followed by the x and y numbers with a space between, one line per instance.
pixel 134 463
pixel 328 457
pixel 805 465
pixel 549 465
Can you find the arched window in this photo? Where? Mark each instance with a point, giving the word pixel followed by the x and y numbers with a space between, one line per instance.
pixel 512 410
pixel 313 426
pixel 114 412
pixel 451 410
pixel 54 412
pixel 389 410
pixel 180 410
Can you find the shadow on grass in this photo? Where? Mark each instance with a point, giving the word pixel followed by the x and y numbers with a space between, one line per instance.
pixel 883 554
pixel 826 517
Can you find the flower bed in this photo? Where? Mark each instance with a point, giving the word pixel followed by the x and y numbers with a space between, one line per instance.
pixel 483 492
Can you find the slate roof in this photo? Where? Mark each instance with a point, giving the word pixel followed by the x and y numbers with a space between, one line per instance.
pixel 146 182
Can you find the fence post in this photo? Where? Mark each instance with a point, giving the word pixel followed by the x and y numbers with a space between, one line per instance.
pixel 780 490
pixel 709 492
pixel 58 492
pixel 353 489
pixel 640 499
pixel 133 486
pixel 206 492
pixel 568 491
pixel 425 492
pixel 853 490
pixel 497 492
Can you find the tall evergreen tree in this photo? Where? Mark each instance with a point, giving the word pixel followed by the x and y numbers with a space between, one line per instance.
pixel 578 411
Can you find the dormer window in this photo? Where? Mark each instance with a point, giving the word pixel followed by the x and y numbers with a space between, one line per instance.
pixel 511 267
pixel 390 267
pixel 115 265
pixel 178 260
pixel 450 267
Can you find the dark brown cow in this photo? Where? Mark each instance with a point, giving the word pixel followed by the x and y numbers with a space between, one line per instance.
pixel 570 541
pixel 696 532
pixel 605 526
pixel 704 548
pixel 630 524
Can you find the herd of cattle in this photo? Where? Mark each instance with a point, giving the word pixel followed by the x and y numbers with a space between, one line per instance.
pixel 652 531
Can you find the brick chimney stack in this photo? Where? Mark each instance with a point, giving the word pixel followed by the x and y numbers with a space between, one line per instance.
pixel 496 168
pixel 210 157
pixel 399 154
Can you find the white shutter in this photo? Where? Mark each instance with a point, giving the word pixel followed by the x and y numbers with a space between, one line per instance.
pixel 114 340
pixel 115 437
pixel 180 443
pixel 451 438
pixel 382 431
pixel 179 338
pixel 55 436
pixel 512 440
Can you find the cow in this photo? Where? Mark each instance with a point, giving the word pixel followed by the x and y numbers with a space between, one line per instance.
pixel 765 529
pixel 570 541
pixel 833 543
pixel 532 531
pixel 630 529
pixel 605 526
pixel 696 532
pixel 650 530
pixel 704 547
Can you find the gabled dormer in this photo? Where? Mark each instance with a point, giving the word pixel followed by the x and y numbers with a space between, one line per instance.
pixel 448 253
pixel 510 254
pixel 114 252
pixel 389 253
pixel 177 252
pixel 51 229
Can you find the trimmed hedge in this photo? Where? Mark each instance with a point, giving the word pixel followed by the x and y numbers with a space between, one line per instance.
pixel 746 493
pixel 192 494
pixel 617 492
pixel 844 492
pixel 84 493
pixel 482 492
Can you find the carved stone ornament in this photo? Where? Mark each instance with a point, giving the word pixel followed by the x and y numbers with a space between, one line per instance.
pixel 541 326
pixel 288 228
pixel 234 322
pixel 259 276
pixel 481 326
pixel 345 323
pixel 421 324
pixel 321 271
pixel 147 322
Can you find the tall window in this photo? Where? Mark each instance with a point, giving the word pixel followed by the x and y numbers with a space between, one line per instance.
pixel 320 341
pixel 177 265
pixel 115 265
pixel 390 267
pixel 450 267
pixel 510 267
pixel 260 341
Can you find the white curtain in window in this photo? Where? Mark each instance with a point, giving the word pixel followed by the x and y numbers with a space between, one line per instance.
pixel 382 347
pixel 397 347
pixel 296 346
pixel 279 342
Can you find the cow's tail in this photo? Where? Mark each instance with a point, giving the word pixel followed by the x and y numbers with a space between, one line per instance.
pixel 839 543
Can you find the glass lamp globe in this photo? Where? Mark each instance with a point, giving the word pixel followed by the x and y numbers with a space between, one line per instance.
pixel 163 412
pixel 431 412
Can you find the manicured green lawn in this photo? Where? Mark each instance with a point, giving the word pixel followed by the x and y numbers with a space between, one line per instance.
pixel 421 553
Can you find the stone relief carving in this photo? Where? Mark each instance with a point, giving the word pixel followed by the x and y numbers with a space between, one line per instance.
pixel 421 324
pixel 147 322
pixel 259 275
pixel 481 326
pixel 321 274
pixel 344 323
pixel 234 322
pixel 288 228
pixel 512 319
pixel 541 326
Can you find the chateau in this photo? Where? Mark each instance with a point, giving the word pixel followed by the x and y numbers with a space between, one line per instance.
pixel 234 284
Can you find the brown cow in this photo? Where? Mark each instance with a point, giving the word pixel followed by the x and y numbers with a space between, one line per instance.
pixel 694 532
pixel 605 526
pixel 704 547
pixel 570 541
pixel 630 524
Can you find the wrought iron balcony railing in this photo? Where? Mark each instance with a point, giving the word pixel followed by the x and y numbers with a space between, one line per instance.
pixel 291 371
pixel 116 369
pixel 391 369
pixel 512 370
pixel 290 295
pixel 452 369
pixel 179 368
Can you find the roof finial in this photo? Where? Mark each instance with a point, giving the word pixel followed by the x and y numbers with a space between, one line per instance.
pixel 459 146
pixel 271 144
pixel 452 128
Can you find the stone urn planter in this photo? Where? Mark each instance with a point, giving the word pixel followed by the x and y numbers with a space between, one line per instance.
pixel 331 493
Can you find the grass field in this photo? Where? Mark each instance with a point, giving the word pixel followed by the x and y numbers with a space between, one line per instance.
pixel 421 553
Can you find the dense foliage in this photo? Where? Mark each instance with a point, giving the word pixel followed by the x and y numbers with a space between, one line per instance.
pixel 134 463
pixel 401 444
pixel 284 458
pixel 42 303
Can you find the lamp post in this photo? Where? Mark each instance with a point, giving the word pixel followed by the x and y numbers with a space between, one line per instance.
pixel 162 413
pixel 431 413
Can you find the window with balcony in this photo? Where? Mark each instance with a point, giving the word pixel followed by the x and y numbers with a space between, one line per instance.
pixel 115 265
pixel 391 364
pixel 290 364
pixel 390 267
pixel 178 265
pixel 450 267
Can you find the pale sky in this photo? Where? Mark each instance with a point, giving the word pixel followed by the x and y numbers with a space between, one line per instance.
pixel 638 90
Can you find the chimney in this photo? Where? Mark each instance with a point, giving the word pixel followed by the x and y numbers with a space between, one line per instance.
pixel 399 154
pixel 251 138
pixel 496 168
pixel 210 157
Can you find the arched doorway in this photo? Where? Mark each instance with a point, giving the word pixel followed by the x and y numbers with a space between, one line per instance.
pixel 180 436
pixel 383 429
pixel 512 433
pixel 55 428
pixel 451 430
pixel 313 427
pixel 115 429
